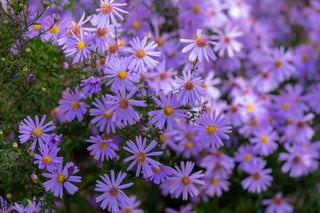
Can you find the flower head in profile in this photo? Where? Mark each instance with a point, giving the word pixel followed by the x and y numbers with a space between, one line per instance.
pixel 62 178
pixel 168 113
pixel 35 131
pixel 141 156
pixel 200 47
pixel 101 148
pixel 112 196
pixel 185 183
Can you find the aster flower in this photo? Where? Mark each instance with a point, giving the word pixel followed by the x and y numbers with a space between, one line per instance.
pixel 200 48
pixel 33 206
pixel 71 105
pixel 54 140
pixel 245 154
pixel 103 117
pixel 278 204
pixel 183 209
pixel 102 148
pixel 35 131
pixel 112 196
pixel 48 158
pixel 215 185
pixel 78 47
pixel 141 52
pixel 161 174
pixel 62 178
pixel 169 113
pixel 191 90
pixel 55 30
pixel 122 107
pixel 4 205
pixel 264 140
pixel 91 85
pixel 119 76
pixel 226 41
pixel 131 207
pixel 259 180
pixel 213 129
pixel 108 12
pixel 141 156
pixel 185 183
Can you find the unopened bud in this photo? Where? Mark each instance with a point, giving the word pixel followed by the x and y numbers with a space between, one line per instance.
pixel 31 154
pixel 99 164
pixel 34 177
pixel 8 195
pixel 28 49
pixel 31 77
pixel 45 3
pixel 56 17
pixel 43 89
pixel 15 145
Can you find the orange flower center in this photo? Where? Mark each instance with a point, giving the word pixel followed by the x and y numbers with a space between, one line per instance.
pixel 140 157
pixel 113 191
pixel 106 9
pixel 189 85
pixel 124 104
pixel 102 32
pixel 140 54
pixel 185 180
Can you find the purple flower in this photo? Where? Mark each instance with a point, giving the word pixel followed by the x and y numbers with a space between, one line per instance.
pixel 200 48
pixel 32 206
pixel 131 206
pixel 141 51
pixel 79 47
pixel 112 196
pixel 213 129
pixel 183 209
pixel 54 140
pixel 169 113
pixel 71 104
pixel 215 185
pixel 264 140
pixel 191 90
pixel 161 174
pixel 122 107
pixel 141 156
pixel 91 85
pixel 60 178
pixel 245 154
pixel 102 148
pixel 185 183
pixel 48 158
pixel 259 180
pixel 35 131
pixel 4 205
pixel 108 12
pixel 278 204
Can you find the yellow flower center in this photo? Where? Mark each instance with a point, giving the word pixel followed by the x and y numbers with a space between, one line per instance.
pixel 60 178
pixel 108 115
pixel 214 181
pixel 136 25
pixel 140 54
pixel 250 107
pixel 36 27
pixel 305 57
pixel 168 110
pixel 196 9
pixel 47 159
pixel 103 145
pixel 75 105
pixel 81 45
pixel 185 180
pixel 162 137
pixel 264 139
pixel 157 170
pixel 102 32
pixel 38 132
pixel 54 29
pixel 286 106
pixel 211 129
pixel 277 63
pixel 122 74
pixel 271 119
pixel 172 182
pixel 247 157
pixel 189 145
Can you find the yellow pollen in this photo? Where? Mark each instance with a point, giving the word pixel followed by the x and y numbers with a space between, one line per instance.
pixel 121 43
pixel 196 9
pixel 264 139
pixel 38 132
pixel 168 110
pixel 122 74
pixel 289 121
pixel 185 180
pixel 189 145
pixel 81 45
pixel 60 178
pixel 47 159
pixel 36 27
pixel 108 115
pixel 250 107
pixel 140 54
pixel 271 119
pixel 103 145
pixel 211 129
pixel 286 106
pixel 160 42
pixel 157 170
pixel 75 105
pixel 172 182
pixel 162 137
pixel 54 29
pixel 214 181
pixel 277 63
pixel 247 157
pixel 136 25
pixel 305 57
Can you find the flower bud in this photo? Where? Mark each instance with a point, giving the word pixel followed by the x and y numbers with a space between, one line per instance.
pixel 43 89
pixel 45 3
pixel 8 195
pixel 15 145
pixel 31 78
pixel 56 17
pixel 34 177
pixel 31 154
pixel 99 164
pixel 28 49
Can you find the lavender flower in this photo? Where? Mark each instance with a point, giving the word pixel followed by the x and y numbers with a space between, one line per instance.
pixel 264 140
pixel 4 205
pixel 278 204
pixel 91 85
pixel 78 47
pixel 102 148
pixel 131 207
pixel 48 158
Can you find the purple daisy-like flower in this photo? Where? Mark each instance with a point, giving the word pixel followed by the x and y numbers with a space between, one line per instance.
pixel 108 12
pixel 141 52
pixel 264 140
pixel 161 174
pixel 191 90
pixel 102 148
pixel 103 117
pixel 169 113
pixel 141 156
pixel 33 206
pixel 35 131
pixel 48 158
pixel 119 76
pixel 4 205
pixel 91 85
pixel 259 180
pixel 62 178
pixel 185 183
pixel 183 209
pixel 131 207
pixel 54 140
pixel 79 47
pixel 122 107
pixel 71 104
pixel 245 154
pixel 200 48
pixel 213 129
pixel 215 185
pixel 278 204
pixel 112 196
